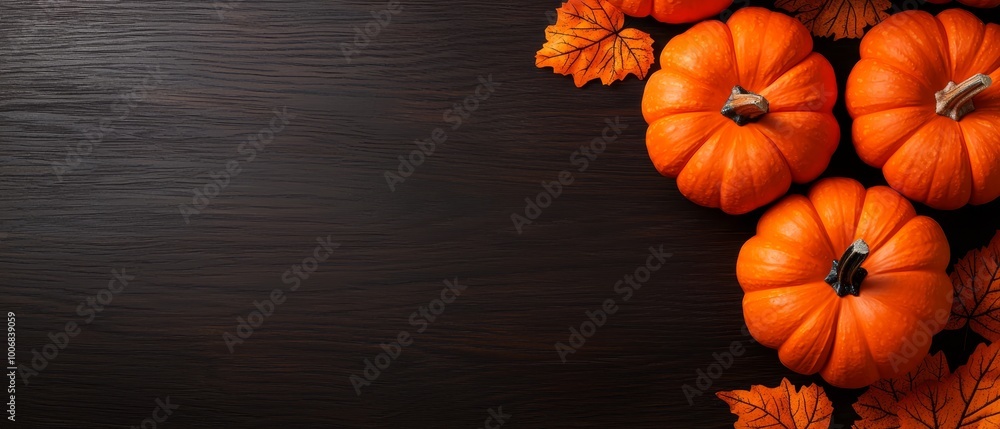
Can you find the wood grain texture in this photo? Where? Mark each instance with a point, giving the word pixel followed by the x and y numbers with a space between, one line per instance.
pixel 63 68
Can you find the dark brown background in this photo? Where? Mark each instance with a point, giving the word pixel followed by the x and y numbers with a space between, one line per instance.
pixel 324 176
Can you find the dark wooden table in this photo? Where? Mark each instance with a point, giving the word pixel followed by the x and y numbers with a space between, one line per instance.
pixel 113 114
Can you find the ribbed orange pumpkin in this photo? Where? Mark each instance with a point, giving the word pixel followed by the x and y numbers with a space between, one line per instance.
pixel 846 282
pixel 973 3
pixel 926 106
pixel 740 110
pixel 672 11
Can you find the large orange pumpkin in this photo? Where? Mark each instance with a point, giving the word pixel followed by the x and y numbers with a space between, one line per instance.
pixel 926 109
pixel 672 11
pixel 846 282
pixel 740 110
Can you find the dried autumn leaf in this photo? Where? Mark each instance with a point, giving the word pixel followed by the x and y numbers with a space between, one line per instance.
pixel 837 18
pixel 969 398
pixel 976 278
pixel 588 41
pixel 878 406
pixel 782 406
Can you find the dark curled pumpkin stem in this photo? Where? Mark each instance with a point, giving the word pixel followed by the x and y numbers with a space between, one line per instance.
pixel 846 275
pixel 744 106
pixel 955 100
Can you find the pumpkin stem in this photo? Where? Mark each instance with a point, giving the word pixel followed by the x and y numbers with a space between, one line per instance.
pixel 744 106
pixel 846 275
pixel 955 100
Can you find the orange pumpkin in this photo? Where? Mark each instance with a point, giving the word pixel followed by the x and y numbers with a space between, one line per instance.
pixel 846 282
pixel 925 108
pixel 672 11
pixel 973 3
pixel 740 110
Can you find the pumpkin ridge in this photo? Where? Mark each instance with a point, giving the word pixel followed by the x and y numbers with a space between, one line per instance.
pixel 680 37
pixel 976 188
pixel 767 34
pixel 879 274
pixel 903 140
pixel 829 309
pixel 696 172
pixel 857 222
pixel 926 85
pixel 691 95
pixel 934 174
pixel 991 101
pixel 648 10
pixel 851 307
pixel 925 192
pixel 734 60
pixel 991 69
pixel 665 66
pixel 708 135
pixel 767 27
pixel 774 146
pixel 896 146
pixel 816 74
pixel 877 262
pixel 726 172
pixel 875 246
pixel 780 329
pixel 804 55
pixel 845 306
pixel 806 161
pixel 908 28
pixel 834 253
pixel 825 233
pixel 978 40
pixel 946 47
pixel 967 161
pixel 785 71
pixel 772 331
pixel 897 316
pixel 755 190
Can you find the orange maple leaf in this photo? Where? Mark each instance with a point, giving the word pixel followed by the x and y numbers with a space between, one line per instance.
pixel 879 404
pixel 782 406
pixel 969 398
pixel 588 41
pixel 837 18
pixel 976 278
